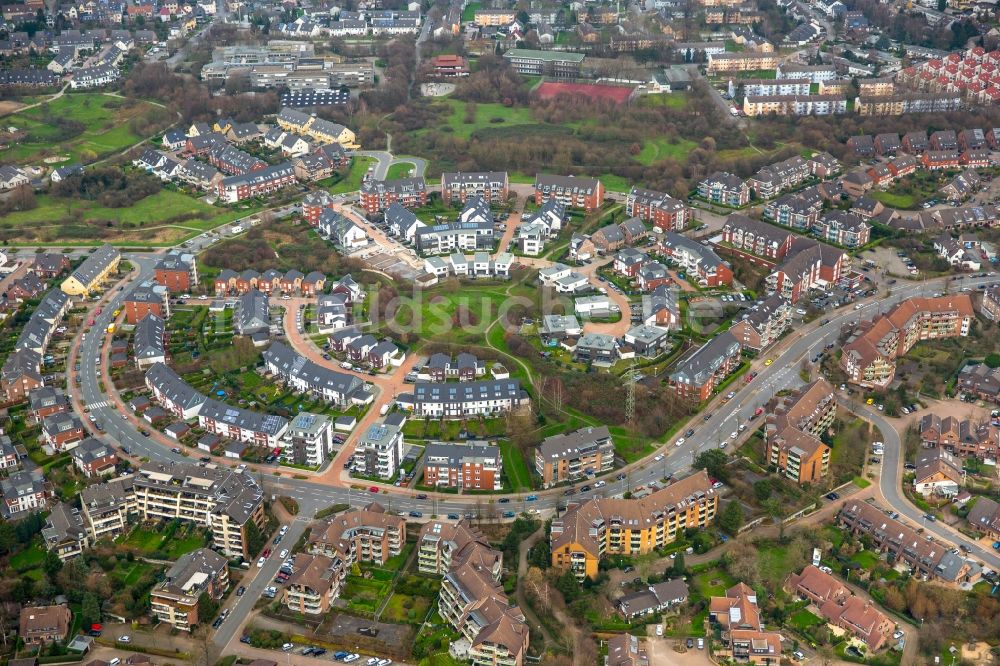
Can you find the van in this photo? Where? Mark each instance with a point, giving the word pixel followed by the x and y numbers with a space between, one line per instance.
pixel 383 410
pixel 115 661
pixel 701 643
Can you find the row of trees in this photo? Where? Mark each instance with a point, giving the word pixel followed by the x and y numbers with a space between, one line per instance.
pixel 109 186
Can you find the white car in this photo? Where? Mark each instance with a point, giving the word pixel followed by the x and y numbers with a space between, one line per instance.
pixel 658 458
pixel 679 442
pixel 897 634
pixel 859 306
pixel 125 639
pixel 733 435
pixel 284 528
pixel 351 657
pixel 743 426
pixel 284 553
pixel 286 647
pixel 384 662
pixel 371 661
pixel 260 563
pixel 600 484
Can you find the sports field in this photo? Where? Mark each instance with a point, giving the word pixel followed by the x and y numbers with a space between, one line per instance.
pixel 617 94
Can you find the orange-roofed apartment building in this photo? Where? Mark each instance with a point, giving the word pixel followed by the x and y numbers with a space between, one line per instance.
pixel 870 359
pixel 793 430
pixel 738 616
pixel 838 605
pixel 608 526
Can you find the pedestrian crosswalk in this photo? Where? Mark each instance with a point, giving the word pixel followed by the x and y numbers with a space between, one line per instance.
pixel 98 405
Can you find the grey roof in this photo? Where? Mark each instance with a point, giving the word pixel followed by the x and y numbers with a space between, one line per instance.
pixel 147 341
pixel 455 454
pixel 242 418
pixel 252 313
pixel 60 422
pixel 235 494
pixel 63 524
pixel 91 449
pixel 46 396
pixel 96 264
pixel 170 384
pixel 490 389
pixel 698 367
pixel 567 444
pixel 291 364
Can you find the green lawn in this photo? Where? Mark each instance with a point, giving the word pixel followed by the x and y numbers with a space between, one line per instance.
pixel 406 609
pixel 615 183
pixel 469 13
pixel 676 100
pixel 773 560
pixel 865 558
pixel 487 115
pixel 659 148
pixel 515 467
pixel 180 546
pixel 352 181
pixel 400 170
pixel 164 218
pixel 143 539
pixel 907 201
pixel 29 558
pixel 713 583
pixel 803 620
pixel 106 121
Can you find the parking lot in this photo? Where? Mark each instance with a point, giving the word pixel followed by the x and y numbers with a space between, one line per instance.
pixel 391 264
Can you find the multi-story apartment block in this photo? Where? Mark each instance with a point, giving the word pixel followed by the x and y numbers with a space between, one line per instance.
pixel 480 398
pixel 376 195
pixel 315 582
pixel 175 599
pixel 572 192
pixel 150 298
pixel 699 261
pixel 662 210
pixel 459 186
pixel 725 188
pixel 769 87
pixel 744 61
pixel 793 429
pixel 555 64
pixel 991 303
pixel 106 508
pixel 794 210
pixel 454 237
pixel 925 555
pixel 442 546
pixel 308 440
pixel 869 359
pixel 843 228
pixel 362 535
pixel 262 182
pixel 494 17
pixel 468 465
pixel 763 323
pixel 573 455
pixel 224 500
pixel 177 272
pixel 756 238
pixel 808 264
pixel 769 181
pixel 907 102
pixel 696 377
pixel 794 105
pixel 601 527
pixel 380 451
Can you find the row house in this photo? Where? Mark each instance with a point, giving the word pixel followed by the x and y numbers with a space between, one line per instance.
pixel 984 517
pixel 601 527
pixel 234 162
pixel 46 401
pixel 479 398
pixel 841 607
pixel 480 265
pixel 540 226
pixel 907 102
pixel 963 437
pixel 662 210
pixel 794 105
pixel 324 131
pixel 241 425
pixel 697 376
pixel 493 186
pixel 256 183
pixel 756 238
pixel 376 195
pixel 572 192
pixel 442 367
pixel 869 359
pixel 305 376
pixel 926 557
pixel 768 87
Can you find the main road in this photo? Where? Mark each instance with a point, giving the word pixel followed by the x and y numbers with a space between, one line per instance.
pixel 710 431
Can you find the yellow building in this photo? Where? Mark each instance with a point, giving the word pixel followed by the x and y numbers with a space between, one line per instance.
pixel 746 61
pixel 495 17
pixel 607 526
pixel 880 87
pixel 324 131
pixel 92 273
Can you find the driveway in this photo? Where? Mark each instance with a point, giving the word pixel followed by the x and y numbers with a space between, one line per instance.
pixel 661 653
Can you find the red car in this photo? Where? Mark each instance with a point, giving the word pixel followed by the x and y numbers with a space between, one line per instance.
pixel 266 553
pixel 373 489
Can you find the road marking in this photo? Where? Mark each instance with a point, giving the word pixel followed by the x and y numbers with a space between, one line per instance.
pixel 98 405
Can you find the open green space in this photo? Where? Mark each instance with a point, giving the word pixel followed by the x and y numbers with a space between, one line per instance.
pixel 675 100
pixel 82 127
pixel 487 115
pixel 515 467
pixel 866 559
pixel 364 595
pixel 29 558
pixel 354 177
pixel 803 620
pixel 660 148
pixel 469 13
pixel 907 201
pixel 164 218
pixel 406 609
pixel 400 170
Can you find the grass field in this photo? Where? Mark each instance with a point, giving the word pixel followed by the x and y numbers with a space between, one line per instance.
pixel 659 148
pixel 906 201
pixel 676 100
pixel 356 174
pixel 515 467
pixel 469 13
pixel 164 218
pixel 28 558
pixel 804 620
pixel 106 121
pixel 487 115
pixel 404 609
pixel 400 170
